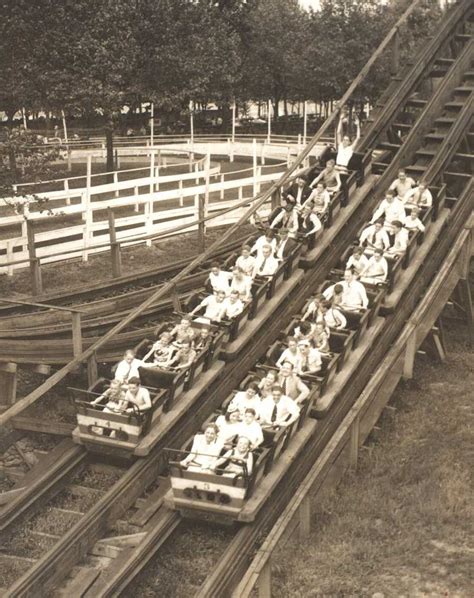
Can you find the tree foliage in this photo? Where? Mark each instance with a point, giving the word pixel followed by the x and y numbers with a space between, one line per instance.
pixel 89 56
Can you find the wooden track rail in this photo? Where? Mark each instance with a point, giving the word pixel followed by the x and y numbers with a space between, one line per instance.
pixel 341 452
pixel 71 547
pixel 392 99
pixel 224 579
pixel 89 353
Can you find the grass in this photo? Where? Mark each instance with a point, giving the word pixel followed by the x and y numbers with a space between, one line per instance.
pixel 75 273
pixel 402 525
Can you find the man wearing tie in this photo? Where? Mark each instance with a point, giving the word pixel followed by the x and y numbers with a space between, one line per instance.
pixel 309 360
pixel 278 410
pixel 284 245
pixel 291 384
pixel 375 237
pixel 265 264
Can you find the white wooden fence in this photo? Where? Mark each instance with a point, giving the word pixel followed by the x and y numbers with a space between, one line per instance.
pixel 146 213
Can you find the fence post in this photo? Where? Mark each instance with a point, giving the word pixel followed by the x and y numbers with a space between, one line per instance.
pixel 89 176
pixel 222 177
pixel 86 216
pixel 69 161
pixel 114 246
pixel 255 168
pixel 24 236
pixel 157 177
pixel 259 176
pixel 35 267
pixel 180 187
pixel 262 154
pixel 149 205
pixel 10 256
pixel 66 189
pixel 354 443
pixel 202 208
pixel 137 205
pixel 76 334
pixel 116 184
pixel 265 581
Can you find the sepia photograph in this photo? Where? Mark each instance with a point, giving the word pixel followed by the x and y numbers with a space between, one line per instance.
pixel 236 298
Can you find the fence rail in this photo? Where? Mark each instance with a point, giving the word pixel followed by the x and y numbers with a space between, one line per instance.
pixel 155 212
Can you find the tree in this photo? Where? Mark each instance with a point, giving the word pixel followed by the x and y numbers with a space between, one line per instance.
pixel 276 39
pixel 24 160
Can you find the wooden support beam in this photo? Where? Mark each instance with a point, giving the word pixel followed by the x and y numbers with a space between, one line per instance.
pixel 76 334
pixel 304 513
pixel 6 497
pixel 438 345
pixel 466 302
pixel 176 300
pixel 114 246
pixel 92 374
pixel 35 266
pixel 8 384
pixel 355 442
pixel 265 581
pixel 396 52
pixel 410 353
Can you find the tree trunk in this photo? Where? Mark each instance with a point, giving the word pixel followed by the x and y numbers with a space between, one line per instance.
pixel 109 144
pixel 285 106
pixel 276 107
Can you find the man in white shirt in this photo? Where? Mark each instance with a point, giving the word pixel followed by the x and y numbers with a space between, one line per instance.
pixel 375 237
pixel 245 261
pixel 309 223
pixel 400 240
pixel 346 147
pixel 268 239
pixel 354 295
pixel 138 395
pixel 413 221
pixel 250 428
pixel 402 185
pixel 357 261
pixel 291 383
pixel 290 354
pixel 287 218
pixel 278 410
pixel 330 176
pixel 233 306
pixel 214 305
pixel 265 264
pixel 419 196
pixel 284 244
pixel 219 280
pixel 319 200
pixel 241 283
pixel 128 367
pixel 391 208
pixel 333 318
pixel 376 270
pixel 309 361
